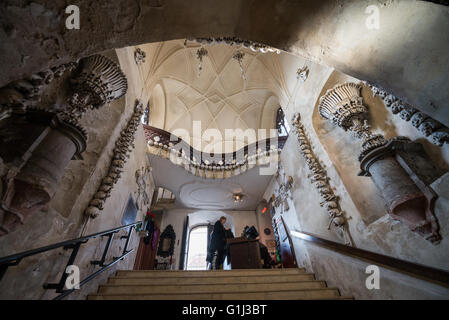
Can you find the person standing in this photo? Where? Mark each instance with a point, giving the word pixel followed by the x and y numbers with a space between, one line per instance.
pixel 218 242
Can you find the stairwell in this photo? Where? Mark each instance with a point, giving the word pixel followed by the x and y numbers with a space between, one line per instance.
pixel 243 284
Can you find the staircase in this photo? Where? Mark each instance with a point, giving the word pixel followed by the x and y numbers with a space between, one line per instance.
pixel 243 284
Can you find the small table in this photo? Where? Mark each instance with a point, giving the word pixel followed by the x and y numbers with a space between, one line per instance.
pixel 244 254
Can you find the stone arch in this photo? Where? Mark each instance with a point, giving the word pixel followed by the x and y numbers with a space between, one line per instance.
pixel 205 217
pixel 157 106
pixel 268 116
pixel 326 32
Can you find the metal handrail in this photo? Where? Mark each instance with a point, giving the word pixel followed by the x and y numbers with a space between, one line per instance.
pixel 416 270
pixel 74 245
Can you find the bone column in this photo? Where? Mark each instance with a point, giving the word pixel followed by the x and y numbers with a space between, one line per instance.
pixel 343 106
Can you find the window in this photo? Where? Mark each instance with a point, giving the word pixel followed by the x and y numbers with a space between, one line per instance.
pixel 196 256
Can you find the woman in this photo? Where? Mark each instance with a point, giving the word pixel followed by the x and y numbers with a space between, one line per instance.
pixel 218 242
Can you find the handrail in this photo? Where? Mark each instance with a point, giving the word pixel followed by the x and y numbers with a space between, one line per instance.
pixel 420 271
pixel 74 245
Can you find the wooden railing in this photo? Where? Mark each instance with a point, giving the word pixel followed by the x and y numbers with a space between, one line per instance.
pixel 420 271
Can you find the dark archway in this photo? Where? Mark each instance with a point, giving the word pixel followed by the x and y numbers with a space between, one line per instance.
pixel 404 55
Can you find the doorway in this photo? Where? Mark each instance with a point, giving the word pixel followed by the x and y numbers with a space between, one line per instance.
pixel 197 249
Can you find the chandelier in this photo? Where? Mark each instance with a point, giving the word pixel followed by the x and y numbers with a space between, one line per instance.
pixel 238 197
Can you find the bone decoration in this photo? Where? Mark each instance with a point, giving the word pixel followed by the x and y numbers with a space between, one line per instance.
pixel 21 95
pixel 123 146
pixel 343 106
pixel 320 181
pixel 435 131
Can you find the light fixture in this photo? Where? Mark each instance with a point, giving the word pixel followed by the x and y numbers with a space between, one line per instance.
pixel 238 197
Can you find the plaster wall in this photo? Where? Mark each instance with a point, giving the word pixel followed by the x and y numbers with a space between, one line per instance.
pixel 370 226
pixel 64 217
pixel 349 276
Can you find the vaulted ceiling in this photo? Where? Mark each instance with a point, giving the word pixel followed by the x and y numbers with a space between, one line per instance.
pixel 218 96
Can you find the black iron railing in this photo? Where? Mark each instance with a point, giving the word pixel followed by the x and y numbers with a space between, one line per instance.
pixel 74 245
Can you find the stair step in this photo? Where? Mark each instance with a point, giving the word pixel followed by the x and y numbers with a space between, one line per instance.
pixel 207 288
pixel 208 273
pixel 323 293
pixel 130 280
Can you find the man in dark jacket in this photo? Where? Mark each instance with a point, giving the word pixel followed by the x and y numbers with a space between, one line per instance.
pixel 218 242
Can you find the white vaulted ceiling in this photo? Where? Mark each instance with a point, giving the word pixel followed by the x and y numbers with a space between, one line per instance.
pixel 219 97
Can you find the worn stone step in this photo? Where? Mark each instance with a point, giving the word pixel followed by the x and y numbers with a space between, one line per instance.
pixel 310 294
pixel 209 273
pixel 208 288
pixel 129 280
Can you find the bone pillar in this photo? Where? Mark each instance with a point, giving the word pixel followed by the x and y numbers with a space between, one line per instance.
pixel 407 200
pixel 32 183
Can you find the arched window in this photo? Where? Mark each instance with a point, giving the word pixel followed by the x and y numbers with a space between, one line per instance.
pixel 282 124
pixel 197 252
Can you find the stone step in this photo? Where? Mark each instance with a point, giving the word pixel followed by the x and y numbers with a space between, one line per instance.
pixel 129 280
pixel 309 294
pixel 208 288
pixel 208 273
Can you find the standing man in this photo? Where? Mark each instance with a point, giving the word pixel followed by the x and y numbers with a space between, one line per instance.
pixel 218 242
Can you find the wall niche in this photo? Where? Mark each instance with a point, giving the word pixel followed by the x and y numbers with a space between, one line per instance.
pixel 343 151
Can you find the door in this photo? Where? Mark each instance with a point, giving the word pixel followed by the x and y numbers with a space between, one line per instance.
pixel 197 250
pixel 146 253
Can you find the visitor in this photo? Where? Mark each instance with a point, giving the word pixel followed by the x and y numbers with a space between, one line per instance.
pixel 218 243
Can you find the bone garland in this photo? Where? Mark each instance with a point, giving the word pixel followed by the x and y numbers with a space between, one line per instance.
pixel 302 73
pixel 139 56
pixel 123 146
pixel 320 181
pixel 238 56
pixel 200 53
pixel 437 133
pixel 20 95
pixel 253 46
